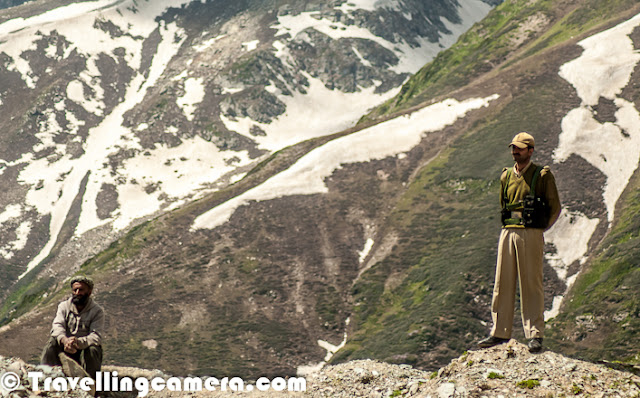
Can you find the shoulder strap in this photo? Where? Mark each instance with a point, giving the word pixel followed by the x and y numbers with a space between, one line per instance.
pixel 532 191
pixel 505 198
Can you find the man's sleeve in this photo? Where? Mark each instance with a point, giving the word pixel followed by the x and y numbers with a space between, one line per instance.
pixel 552 197
pixel 96 329
pixel 59 327
pixel 503 181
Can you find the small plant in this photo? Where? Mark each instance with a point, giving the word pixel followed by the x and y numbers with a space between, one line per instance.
pixel 470 362
pixel 495 375
pixel 367 379
pixel 396 393
pixel 530 384
pixel 576 389
pixel 434 375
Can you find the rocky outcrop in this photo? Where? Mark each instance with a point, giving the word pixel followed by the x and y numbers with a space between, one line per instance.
pixel 508 370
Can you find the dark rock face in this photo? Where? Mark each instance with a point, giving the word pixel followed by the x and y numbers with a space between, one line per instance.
pixel 11 3
pixel 339 63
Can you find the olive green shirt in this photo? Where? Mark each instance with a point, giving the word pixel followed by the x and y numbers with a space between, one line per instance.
pixel 519 186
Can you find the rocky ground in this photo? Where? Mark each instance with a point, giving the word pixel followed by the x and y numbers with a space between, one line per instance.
pixel 508 370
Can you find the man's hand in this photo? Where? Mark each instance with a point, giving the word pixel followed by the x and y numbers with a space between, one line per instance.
pixel 70 344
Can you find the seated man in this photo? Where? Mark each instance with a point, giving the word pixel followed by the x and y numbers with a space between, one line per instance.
pixel 77 330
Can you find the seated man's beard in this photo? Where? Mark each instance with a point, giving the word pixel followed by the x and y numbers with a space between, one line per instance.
pixel 79 299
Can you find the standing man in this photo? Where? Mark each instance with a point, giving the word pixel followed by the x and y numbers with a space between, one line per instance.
pixel 530 205
pixel 77 330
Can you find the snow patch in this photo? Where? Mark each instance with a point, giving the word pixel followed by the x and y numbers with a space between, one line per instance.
pixel 613 148
pixel 22 232
pixel 193 95
pixel 75 93
pixel 178 172
pixel 570 235
pixel 251 45
pixel 181 76
pixel 555 308
pixel 227 90
pixel 363 61
pixel 321 111
pixel 331 349
pixel 306 176
pixel 49 128
pixel 73 124
pixel 604 70
pixel 10 212
pixel 236 178
pixel 557 300
pixel 207 44
pixel 76 23
pixel 606 65
pixel 110 136
pixel 365 251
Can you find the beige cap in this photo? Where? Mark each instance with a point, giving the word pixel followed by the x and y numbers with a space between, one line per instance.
pixel 523 140
pixel 82 279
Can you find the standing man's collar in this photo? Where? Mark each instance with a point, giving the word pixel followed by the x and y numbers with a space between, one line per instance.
pixel 515 169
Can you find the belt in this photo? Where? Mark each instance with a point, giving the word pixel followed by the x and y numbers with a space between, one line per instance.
pixel 514 219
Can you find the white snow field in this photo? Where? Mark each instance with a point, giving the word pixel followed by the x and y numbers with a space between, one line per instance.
pixel 306 176
pixel 603 70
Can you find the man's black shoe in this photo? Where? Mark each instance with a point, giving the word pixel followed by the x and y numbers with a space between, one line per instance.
pixel 535 344
pixel 491 341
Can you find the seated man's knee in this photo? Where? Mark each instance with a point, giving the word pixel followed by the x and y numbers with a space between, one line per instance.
pixel 93 358
pixel 95 351
pixel 50 353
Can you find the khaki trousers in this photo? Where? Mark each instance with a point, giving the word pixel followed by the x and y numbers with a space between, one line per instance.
pixel 520 254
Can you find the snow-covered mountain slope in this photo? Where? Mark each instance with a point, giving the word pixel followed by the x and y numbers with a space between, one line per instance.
pixel 113 111
pixel 612 145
